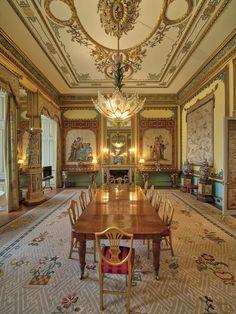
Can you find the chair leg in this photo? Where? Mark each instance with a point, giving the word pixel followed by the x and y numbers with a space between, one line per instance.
pixel 129 291
pixel 171 246
pixel 94 251
pixel 71 246
pixel 148 248
pixel 101 289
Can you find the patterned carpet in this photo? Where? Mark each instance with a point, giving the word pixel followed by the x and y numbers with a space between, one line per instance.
pixel 37 276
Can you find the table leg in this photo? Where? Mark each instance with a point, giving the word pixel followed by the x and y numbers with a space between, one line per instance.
pixel 156 245
pixel 82 252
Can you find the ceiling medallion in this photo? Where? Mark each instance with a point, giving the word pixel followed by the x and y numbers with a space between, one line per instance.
pixel 124 12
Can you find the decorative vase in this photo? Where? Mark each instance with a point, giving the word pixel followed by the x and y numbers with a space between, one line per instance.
pixel 186 168
pixel 204 170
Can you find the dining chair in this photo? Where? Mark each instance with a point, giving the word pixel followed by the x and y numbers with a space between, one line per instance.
pixel 150 193
pixel 83 200
pixel 115 259
pixel 155 194
pixel 168 212
pixel 90 192
pixel 145 189
pixel 92 189
pixel 156 202
pixel 74 214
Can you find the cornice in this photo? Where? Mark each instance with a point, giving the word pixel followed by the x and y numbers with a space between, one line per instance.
pixel 209 69
pixel 87 99
pixel 18 58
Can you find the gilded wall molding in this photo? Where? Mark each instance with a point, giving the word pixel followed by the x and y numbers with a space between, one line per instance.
pixel 10 82
pixel 234 87
pixel 49 108
pixel 14 55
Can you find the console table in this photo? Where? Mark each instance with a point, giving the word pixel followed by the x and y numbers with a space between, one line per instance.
pixel 69 172
pixel 147 170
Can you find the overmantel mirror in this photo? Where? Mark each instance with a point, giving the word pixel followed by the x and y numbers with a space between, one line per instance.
pixel 118 152
pixel 119 143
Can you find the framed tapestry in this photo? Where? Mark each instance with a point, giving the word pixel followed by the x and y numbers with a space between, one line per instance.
pixel 158 141
pixel 80 141
pixel 200 131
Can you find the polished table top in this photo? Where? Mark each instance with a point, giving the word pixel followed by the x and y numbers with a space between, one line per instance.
pixel 124 206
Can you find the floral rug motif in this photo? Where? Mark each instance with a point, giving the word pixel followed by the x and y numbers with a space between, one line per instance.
pixel 37 277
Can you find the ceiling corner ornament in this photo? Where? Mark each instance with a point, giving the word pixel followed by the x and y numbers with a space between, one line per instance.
pixel 124 11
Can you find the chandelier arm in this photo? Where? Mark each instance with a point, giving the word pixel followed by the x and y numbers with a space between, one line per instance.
pixel 118 107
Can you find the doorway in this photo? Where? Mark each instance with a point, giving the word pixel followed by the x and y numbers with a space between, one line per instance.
pixel 49 146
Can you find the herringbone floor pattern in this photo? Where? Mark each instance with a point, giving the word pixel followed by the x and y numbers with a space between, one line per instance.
pixel 38 278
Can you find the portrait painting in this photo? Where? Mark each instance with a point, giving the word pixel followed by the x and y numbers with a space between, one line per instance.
pixel 80 146
pixel 157 146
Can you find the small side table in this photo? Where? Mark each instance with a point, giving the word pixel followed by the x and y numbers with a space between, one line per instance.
pixel 185 180
pixel 205 191
pixel 191 187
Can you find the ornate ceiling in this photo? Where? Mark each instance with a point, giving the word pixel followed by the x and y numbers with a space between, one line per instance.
pixel 74 42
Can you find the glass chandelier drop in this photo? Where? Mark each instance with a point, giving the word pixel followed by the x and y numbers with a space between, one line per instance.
pixel 118 107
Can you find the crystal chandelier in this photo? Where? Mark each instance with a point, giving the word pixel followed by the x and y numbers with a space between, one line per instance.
pixel 118 107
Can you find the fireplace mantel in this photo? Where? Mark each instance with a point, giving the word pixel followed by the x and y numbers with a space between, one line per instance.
pixel 106 168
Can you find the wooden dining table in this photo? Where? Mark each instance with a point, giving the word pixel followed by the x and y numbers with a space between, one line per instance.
pixel 123 206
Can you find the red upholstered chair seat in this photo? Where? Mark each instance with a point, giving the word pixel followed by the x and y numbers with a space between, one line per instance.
pixel 192 186
pixel 166 233
pixel 123 268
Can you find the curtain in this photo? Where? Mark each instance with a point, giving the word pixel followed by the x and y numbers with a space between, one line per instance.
pixel 58 171
pixel 10 154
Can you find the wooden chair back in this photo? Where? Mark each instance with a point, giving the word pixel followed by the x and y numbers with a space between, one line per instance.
pixel 145 189
pixel 158 202
pixel 92 190
pixel 114 236
pixel 83 200
pixel 168 212
pixel 154 198
pixel 110 261
pixel 150 193
pixel 74 212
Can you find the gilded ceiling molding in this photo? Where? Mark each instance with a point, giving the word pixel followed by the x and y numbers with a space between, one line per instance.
pixel 209 68
pixel 14 55
pixel 104 56
pixel 174 65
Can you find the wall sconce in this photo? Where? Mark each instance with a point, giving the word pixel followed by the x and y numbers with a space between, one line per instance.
pixel 105 155
pixel 20 163
pixel 141 162
pixel 131 154
pixel 94 161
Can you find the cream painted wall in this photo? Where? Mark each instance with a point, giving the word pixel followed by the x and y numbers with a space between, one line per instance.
pixel 219 113
pixel 231 88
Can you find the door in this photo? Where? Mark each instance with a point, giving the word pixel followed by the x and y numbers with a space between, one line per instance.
pixel 49 144
pixel 230 167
